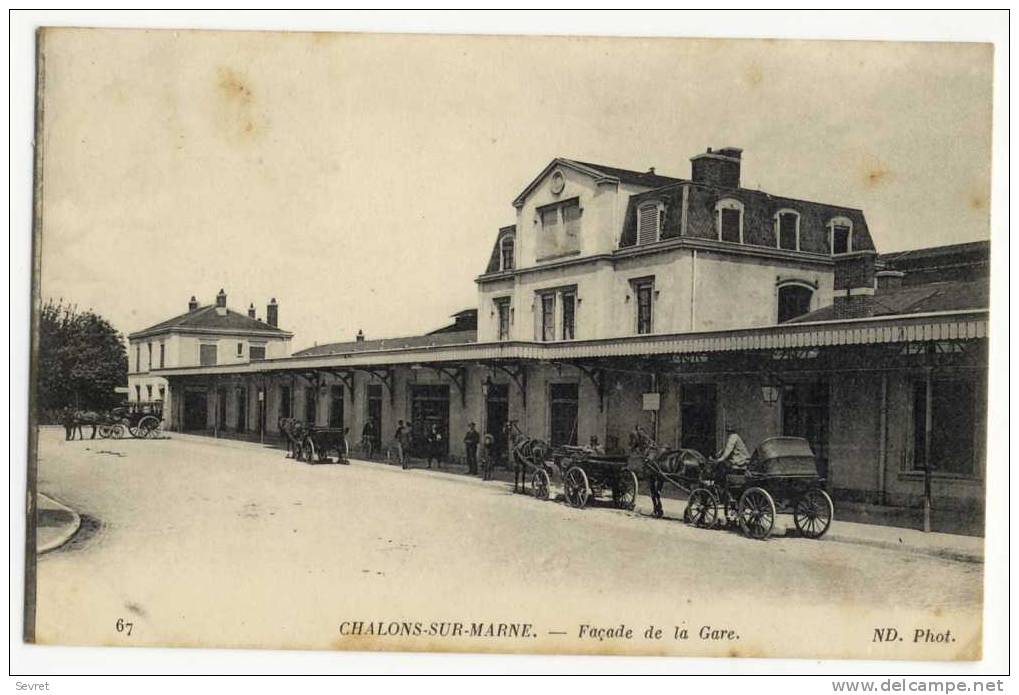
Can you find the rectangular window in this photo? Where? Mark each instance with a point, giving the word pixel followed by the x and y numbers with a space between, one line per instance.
pixel 840 239
pixel 150 355
pixel 502 306
pixel 647 224
pixel 644 291
pixel 548 316
pixel 805 413
pixel 953 423
pixel 560 229
pixel 286 409
pixel 787 231
pixel 162 355
pixel 148 391
pixel 730 224
pixel 256 352
pixel 207 355
pixel 569 314
pixel 507 253
pixel 137 358
pixel 563 409
pixel 310 405
pixel 240 349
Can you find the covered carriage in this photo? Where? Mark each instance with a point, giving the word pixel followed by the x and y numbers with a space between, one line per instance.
pixel 780 476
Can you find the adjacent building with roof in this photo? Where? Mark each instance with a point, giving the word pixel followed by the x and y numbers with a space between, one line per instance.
pixel 620 298
pixel 204 336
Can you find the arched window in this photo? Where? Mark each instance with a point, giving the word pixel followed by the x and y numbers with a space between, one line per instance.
pixel 840 232
pixel 793 300
pixel 649 222
pixel 506 253
pixel 787 229
pixel 729 220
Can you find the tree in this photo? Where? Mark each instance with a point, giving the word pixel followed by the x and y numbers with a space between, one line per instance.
pixel 82 359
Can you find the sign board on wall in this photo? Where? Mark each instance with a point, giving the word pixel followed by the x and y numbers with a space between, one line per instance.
pixel 652 401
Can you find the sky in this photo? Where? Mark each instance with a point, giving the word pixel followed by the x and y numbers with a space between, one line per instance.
pixel 360 178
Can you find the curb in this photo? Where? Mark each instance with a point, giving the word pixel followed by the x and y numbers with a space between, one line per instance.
pixel 60 535
pixel 933 551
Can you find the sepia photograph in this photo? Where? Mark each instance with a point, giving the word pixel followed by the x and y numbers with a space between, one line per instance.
pixel 511 344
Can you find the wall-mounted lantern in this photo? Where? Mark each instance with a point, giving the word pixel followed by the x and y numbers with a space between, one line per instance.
pixel 771 389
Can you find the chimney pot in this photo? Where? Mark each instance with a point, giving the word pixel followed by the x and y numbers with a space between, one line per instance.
pixel 360 336
pixel 221 299
pixel 193 303
pixel 272 313
pixel 251 311
pixel 889 279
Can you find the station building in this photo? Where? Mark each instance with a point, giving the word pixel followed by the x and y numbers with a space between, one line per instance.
pixel 622 298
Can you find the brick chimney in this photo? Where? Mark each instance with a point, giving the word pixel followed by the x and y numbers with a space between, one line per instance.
pixel 192 303
pixel 718 168
pixel 272 313
pixel 221 302
pixel 855 280
pixel 251 311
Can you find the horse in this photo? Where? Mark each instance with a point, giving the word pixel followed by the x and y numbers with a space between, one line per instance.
pixel 74 419
pixel 685 465
pixel 526 452
pixel 293 430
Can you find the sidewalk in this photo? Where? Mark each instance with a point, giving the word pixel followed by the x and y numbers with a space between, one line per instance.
pixel 55 524
pixel 845 529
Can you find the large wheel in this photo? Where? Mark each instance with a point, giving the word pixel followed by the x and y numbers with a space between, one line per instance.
pixel 756 513
pixel 148 426
pixel 541 484
pixel 813 513
pixel 118 431
pixel 624 491
pixel 105 431
pixel 701 509
pixel 307 451
pixel 576 487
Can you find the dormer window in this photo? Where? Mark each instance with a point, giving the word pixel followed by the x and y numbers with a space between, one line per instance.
pixel 787 229
pixel 729 220
pixel 559 233
pixel 840 230
pixel 506 253
pixel 649 222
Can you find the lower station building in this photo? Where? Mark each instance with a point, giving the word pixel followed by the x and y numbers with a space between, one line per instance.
pixel 623 298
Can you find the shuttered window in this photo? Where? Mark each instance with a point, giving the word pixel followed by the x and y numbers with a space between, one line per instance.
pixel 548 316
pixel 648 221
pixel 571 223
pixel 550 219
pixel 207 355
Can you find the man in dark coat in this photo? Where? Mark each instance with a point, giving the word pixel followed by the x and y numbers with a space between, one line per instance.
pixel 471 440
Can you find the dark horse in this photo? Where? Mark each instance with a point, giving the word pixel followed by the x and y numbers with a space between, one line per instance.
pixel 72 420
pixel 527 453
pixel 682 466
pixel 293 431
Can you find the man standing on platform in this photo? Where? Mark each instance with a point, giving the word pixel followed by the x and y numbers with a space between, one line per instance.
pixel 471 440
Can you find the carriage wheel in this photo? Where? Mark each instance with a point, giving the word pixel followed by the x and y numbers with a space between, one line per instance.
pixel 135 432
pixel 624 492
pixel 105 431
pixel 701 509
pixel 148 426
pixel 307 451
pixel 117 431
pixel 756 513
pixel 576 487
pixel 541 484
pixel 813 513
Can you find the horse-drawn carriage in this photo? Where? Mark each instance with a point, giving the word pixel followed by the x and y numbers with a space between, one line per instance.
pixel 582 473
pixel 781 475
pixel 139 420
pixel 313 444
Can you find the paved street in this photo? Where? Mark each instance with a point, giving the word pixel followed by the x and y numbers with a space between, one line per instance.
pixel 202 542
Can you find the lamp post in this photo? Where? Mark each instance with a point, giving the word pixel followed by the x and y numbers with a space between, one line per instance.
pixel 486 386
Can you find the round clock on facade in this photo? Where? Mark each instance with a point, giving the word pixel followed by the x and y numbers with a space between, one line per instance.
pixel 558 182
